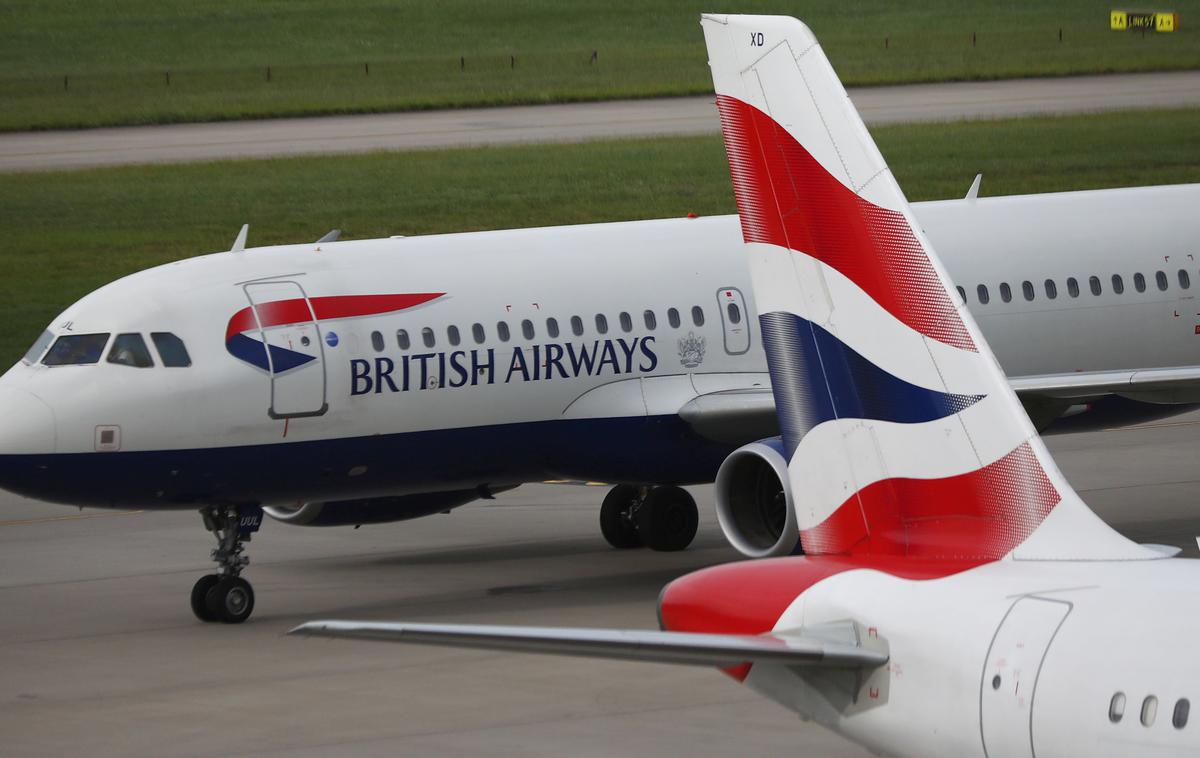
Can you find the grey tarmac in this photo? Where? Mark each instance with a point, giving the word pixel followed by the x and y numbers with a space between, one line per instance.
pixel 50 150
pixel 100 653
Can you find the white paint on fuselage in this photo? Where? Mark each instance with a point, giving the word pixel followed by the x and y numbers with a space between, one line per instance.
pixel 629 267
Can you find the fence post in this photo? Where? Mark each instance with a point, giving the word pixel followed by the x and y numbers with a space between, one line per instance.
pixel 1060 34
pixel 972 39
pixel 66 83
pixel 886 42
pixel 595 56
pixel 512 61
pixel 366 69
pixel 462 63
pixel 268 73
pixel 167 75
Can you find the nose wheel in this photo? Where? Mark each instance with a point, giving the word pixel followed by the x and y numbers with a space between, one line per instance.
pixel 226 596
pixel 661 518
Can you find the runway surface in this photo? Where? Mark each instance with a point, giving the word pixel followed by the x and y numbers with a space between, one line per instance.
pixel 100 654
pixel 39 151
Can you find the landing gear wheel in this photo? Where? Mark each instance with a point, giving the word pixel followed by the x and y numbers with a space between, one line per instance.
pixel 230 600
pixel 618 521
pixel 668 519
pixel 199 596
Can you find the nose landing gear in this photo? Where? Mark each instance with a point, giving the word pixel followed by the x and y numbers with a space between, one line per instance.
pixel 661 518
pixel 226 596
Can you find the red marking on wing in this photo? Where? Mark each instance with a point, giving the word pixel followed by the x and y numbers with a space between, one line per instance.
pixel 296 310
pixel 785 197
pixel 979 516
pixel 748 597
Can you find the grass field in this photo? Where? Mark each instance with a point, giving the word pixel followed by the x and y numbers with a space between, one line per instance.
pixel 67 233
pixel 77 63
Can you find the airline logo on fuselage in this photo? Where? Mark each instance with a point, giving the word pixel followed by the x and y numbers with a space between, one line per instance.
pixel 245 331
pixel 483 366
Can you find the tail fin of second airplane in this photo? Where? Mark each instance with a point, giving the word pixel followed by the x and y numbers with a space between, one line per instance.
pixel 903 435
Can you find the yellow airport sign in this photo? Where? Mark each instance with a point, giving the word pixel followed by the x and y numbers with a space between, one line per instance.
pixel 1159 21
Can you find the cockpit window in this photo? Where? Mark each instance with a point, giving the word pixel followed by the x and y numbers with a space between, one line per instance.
pixel 130 350
pixel 171 349
pixel 76 350
pixel 39 347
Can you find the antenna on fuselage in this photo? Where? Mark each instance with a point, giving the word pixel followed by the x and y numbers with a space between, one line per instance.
pixel 331 236
pixel 239 244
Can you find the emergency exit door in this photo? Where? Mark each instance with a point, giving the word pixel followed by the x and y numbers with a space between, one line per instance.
pixel 295 354
pixel 735 320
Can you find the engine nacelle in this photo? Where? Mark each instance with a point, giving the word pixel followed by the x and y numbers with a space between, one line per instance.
pixel 376 510
pixel 754 501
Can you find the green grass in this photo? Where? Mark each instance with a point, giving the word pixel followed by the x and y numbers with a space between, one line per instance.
pixel 67 233
pixel 115 53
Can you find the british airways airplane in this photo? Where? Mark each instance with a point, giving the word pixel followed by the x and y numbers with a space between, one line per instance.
pixel 359 382
pixel 957 598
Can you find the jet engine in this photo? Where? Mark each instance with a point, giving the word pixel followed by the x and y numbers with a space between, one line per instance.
pixel 754 501
pixel 376 510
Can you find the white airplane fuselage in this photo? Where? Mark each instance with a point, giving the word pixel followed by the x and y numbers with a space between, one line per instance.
pixel 353 401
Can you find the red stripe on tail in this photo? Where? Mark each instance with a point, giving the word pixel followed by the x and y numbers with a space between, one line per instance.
pixel 785 197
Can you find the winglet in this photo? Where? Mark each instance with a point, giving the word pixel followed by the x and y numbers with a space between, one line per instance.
pixel 973 193
pixel 239 244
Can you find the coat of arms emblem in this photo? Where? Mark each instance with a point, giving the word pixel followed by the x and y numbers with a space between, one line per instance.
pixel 691 350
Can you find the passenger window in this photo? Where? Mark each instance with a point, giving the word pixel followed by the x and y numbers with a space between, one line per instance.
pixel 171 350
pixel 552 327
pixel 601 323
pixel 1149 710
pixel 1139 282
pixel 673 318
pixel 1160 278
pixel 40 346
pixel 650 319
pixel 1005 292
pixel 1051 289
pixel 130 350
pixel 377 341
pixel 402 339
pixel 502 331
pixel 1180 716
pixel 962 294
pixel 1118 284
pixel 1072 287
pixel 697 315
pixel 1094 284
pixel 735 313
pixel 1185 280
pixel 576 326
pixel 76 350
pixel 1116 708
pixel 527 329
pixel 981 292
pixel 452 335
pixel 626 322
pixel 1027 289
pixel 477 333
pixel 427 336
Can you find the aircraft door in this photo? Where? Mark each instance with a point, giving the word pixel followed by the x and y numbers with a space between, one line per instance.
pixel 735 320
pixel 1010 674
pixel 295 352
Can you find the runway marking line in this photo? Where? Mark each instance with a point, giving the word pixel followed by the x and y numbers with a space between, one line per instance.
pixel 1138 427
pixel 76 517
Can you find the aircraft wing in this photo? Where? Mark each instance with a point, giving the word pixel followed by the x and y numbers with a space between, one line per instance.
pixel 1171 384
pixel 719 650
pixel 745 415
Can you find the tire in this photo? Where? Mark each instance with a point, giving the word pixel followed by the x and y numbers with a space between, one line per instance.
pixel 668 520
pixel 618 528
pixel 200 596
pixel 231 600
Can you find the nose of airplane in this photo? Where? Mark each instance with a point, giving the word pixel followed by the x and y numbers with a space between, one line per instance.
pixel 27 424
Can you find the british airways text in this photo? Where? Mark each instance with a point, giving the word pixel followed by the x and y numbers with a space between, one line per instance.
pixel 532 363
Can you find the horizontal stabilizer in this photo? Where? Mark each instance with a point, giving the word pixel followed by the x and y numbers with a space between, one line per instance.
pixel 718 650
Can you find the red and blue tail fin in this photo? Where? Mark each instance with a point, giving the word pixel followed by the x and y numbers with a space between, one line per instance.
pixel 903 436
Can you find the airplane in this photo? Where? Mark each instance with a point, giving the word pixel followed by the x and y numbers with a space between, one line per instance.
pixel 361 382
pixel 956 597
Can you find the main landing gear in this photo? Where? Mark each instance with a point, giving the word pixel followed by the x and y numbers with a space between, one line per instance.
pixel 226 596
pixel 661 518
